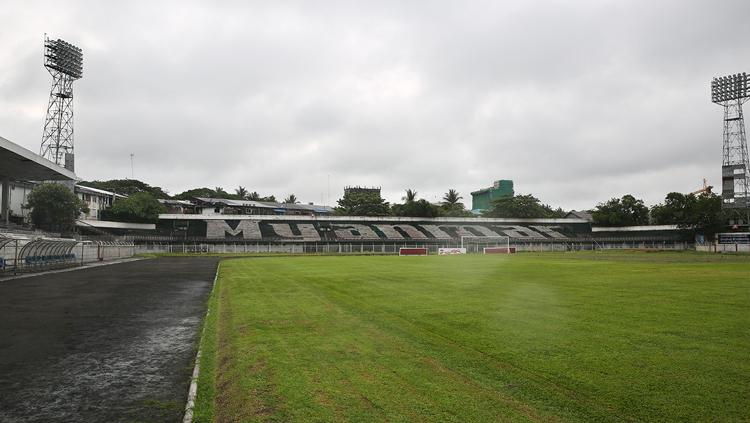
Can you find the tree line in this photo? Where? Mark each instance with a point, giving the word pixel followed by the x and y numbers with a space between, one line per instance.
pixel 368 203
pixel 132 186
pixel 702 212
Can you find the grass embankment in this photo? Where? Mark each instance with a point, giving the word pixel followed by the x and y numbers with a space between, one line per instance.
pixel 528 337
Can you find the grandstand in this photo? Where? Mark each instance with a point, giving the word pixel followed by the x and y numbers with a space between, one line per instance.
pixel 358 228
pixel 290 233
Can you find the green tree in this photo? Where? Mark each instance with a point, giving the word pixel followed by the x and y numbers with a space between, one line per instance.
pixel 677 209
pixel 627 211
pixel 522 206
pixel 452 205
pixel 411 195
pixel 452 197
pixel 140 207
pixel 418 208
pixel 126 187
pixel 355 203
pixel 200 192
pixel 54 207
pixel 241 193
pixel 220 193
pixel 703 213
pixel 196 192
pixel 708 216
pixel 413 207
pixel 291 199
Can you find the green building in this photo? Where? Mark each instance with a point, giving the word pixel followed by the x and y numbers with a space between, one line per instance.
pixel 482 199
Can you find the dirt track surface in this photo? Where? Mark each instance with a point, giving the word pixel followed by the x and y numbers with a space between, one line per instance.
pixel 108 344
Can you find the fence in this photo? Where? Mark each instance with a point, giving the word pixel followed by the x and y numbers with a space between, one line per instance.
pixel 390 248
pixel 32 255
pixel 724 248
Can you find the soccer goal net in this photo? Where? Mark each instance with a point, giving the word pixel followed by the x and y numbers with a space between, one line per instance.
pixel 487 244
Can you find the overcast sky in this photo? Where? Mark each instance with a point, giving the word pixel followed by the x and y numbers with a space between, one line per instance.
pixel 575 101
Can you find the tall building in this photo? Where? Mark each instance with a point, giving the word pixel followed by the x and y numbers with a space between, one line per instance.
pixel 362 190
pixel 483 198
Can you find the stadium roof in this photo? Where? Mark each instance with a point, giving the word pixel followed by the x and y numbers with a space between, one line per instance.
pixel 21 164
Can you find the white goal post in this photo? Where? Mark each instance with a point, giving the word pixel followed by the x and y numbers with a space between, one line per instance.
pixel 487 243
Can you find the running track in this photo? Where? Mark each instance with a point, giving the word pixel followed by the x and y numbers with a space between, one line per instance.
pixel 104 344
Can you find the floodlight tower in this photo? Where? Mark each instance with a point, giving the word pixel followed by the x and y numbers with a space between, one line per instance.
pixel 64 62
pixel 731 92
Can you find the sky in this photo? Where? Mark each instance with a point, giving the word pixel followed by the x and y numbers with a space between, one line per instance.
pixel 575 101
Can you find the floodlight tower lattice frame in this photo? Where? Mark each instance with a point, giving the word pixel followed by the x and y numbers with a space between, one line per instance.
pixel 64 62
pixel 731 92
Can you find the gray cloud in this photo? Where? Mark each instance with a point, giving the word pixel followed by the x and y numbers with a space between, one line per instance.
pixel 574 101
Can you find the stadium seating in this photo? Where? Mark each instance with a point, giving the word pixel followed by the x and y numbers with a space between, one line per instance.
pixel 391 232
pixel 274 229
pixel 354 232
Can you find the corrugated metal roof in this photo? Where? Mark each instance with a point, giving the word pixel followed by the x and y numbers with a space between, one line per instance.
pixel 177 202
pixel 234 203
pixel 636 228
pixel 265 204
pixel 98 191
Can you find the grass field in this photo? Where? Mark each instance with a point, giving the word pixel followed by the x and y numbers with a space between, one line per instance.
pixel 528 337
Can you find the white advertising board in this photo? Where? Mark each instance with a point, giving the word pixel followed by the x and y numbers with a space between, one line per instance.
pixel 451 251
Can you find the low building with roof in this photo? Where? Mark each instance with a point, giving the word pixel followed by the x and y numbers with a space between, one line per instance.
pixel 96 200
pixel 177 206
pixel 226 206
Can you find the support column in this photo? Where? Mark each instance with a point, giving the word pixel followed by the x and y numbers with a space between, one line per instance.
pixel 5 207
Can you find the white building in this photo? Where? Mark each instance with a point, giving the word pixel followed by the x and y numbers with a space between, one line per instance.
pixel 96 200
pixel 16 199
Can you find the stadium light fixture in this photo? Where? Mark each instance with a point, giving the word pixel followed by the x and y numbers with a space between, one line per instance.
pixel 728 88
pixel 63 57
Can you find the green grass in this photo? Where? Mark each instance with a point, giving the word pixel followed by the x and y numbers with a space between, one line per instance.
pixel 527 337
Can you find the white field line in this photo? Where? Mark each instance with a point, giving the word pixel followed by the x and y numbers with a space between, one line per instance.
pixel 193 390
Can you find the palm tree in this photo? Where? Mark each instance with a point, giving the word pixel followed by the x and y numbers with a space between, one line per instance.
pixel 451 197
pixel 254 196
pixel 241 192
pixel 411 196
pixel 220 193
pixel 292 199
